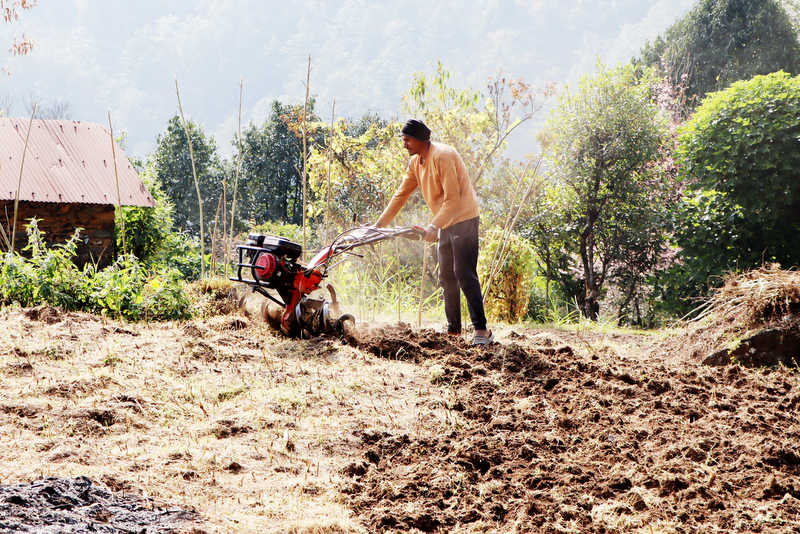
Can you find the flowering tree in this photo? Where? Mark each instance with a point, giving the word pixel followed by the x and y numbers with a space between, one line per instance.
pixel 11 10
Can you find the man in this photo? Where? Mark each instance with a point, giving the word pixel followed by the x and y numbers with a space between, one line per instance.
pixel 442 177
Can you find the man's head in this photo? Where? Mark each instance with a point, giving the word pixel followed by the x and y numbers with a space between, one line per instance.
pixel 416 136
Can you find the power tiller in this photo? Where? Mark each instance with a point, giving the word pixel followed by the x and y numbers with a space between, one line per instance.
pixel 272 266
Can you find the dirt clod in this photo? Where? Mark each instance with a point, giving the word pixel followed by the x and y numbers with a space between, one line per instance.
pixel 555 439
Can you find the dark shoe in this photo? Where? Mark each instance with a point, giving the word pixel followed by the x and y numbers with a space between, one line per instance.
pixel 483 340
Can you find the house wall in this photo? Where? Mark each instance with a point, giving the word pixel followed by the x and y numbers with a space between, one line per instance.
pixel 58 222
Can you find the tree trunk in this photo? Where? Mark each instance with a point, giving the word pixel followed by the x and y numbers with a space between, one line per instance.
pixel 591 304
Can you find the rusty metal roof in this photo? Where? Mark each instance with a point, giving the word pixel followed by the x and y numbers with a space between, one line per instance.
pixel 66 162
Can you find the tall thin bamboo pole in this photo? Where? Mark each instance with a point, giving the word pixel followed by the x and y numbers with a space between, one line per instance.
pixel 422 282
pixel 330 162
pixel 506 234
pixel 116 177
pixel 236 182
pixel 196 185
pixel 305 153
pixel 19 183
pixel 397 281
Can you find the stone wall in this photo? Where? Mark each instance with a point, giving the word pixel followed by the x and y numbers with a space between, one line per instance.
pixel 59 221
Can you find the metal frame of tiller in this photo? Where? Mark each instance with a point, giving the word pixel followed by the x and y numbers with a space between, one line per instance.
pixel 273 263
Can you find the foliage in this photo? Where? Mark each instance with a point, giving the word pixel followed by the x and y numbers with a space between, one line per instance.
pixel 722 41
pixel 48 276
pixel 603 141
pixel 182 253
pixel 11 10
pixel 509 295
pixel 292 232
pixel 124 289
pixel 475 126
pixel 173 169
pixel 741 156
pixel 363 161
pixel 147 230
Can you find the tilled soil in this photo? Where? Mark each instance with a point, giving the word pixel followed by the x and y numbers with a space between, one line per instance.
pixel 543 431
pixel 77 505
pixel 543 437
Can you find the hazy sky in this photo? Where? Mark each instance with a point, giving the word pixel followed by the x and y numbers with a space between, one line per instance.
pixel 124 56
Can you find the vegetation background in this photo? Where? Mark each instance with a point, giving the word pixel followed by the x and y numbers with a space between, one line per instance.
pixel 655 176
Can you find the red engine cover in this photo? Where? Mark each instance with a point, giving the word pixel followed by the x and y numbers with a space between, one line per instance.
pixel 265 266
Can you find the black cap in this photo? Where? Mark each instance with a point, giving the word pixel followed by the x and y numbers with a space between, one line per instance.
pixel 416 128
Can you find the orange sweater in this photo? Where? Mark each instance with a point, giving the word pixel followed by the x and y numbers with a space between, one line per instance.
pixel 445 186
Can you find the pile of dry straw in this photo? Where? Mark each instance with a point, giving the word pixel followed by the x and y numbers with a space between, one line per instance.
pixel 754 298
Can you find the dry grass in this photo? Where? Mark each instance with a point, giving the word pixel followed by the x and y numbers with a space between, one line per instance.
pixel 745 304
pixel 220 416
pixel 754 297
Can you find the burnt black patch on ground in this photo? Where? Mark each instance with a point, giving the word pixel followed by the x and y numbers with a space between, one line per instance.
pixel 77 505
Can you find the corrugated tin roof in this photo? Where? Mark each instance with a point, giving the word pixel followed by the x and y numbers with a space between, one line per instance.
pixel 67 162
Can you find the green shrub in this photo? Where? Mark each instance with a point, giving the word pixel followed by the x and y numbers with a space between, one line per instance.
pixel 292 232
pixel 509 295
pixel 740 156
pixel 124 289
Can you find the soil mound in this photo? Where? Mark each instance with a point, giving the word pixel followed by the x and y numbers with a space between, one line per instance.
pixel 78 505
pixel 753 319
pixel 541 438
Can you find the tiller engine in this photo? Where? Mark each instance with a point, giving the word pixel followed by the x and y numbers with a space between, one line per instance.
pixel 272 266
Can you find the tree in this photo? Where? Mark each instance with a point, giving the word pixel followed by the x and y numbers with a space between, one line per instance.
pixel 56 110
pixel 173 170
pixel 365 161
pixel 602 142
pixel 475 126
pixel 271 187
pixel 11 9
pixel 722 41
pixel 741 156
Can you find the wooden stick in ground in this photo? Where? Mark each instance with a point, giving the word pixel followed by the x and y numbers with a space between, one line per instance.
pixel 229 243
pixel 196 185
pixel 305 152
pixel 397 281
pixel 116 177
pixel 504 252
pixel 3 234
pixel 213 268
pixel 422 282
pixel 521 180
pixel 330 161
pixel 19 183
pixel 492 265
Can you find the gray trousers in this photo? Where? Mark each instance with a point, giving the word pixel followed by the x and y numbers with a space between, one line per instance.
pixel 458 269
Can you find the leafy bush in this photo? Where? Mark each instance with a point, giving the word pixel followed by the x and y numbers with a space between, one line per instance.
pixel 48 275
pixel 510 293
pixel 741 156
pixel 124 289
pixel 147 230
